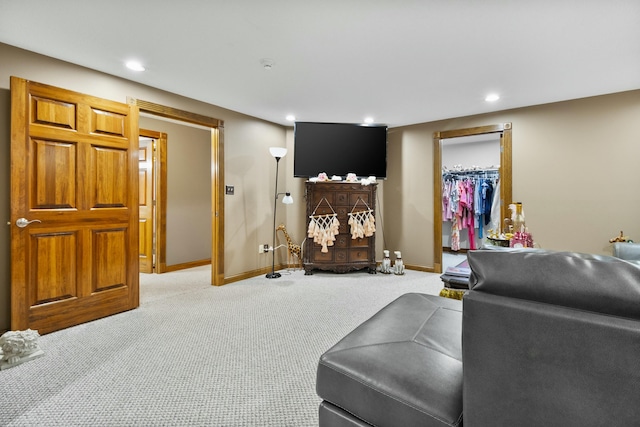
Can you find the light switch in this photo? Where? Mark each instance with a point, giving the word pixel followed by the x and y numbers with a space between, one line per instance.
pixel 229 189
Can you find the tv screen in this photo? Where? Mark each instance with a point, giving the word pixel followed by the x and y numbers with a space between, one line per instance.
pixel 339 149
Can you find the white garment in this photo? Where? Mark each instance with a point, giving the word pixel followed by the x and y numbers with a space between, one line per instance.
pixel 495 209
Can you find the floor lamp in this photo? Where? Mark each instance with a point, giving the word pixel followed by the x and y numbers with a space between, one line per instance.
pixel 278 153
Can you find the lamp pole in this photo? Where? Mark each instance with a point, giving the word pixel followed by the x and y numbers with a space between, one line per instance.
pixel 273 274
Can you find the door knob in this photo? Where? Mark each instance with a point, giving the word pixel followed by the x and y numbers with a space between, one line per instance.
pixel 23 222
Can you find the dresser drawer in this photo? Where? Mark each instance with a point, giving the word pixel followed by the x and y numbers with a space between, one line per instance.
pixel 359 255
pixel 359 243
pixel 319 256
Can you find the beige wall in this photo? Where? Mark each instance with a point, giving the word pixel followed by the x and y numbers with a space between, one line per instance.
pixel 575 168
pixel 188 215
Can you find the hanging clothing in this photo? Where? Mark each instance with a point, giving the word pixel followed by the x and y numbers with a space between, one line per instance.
pixel 487 200
pixel 455 236
pixel 467 201
pixel 495 207
pixel 477 209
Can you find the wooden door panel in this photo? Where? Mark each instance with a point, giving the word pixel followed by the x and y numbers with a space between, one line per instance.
pixel 109 259
pixel 54 263
pixel 109 174
pixel 74 170
pixel 54 172
pixel 143 250
pixel 53 113
pixel 143 177
pixel 108 122
pixel 56 268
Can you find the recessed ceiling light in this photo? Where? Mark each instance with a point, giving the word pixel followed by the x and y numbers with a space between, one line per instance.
pixel 492 97
pixel 368 120
pixel 291 118
pixel 135 66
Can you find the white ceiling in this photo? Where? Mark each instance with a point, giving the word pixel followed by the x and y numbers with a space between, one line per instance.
pixel 398 61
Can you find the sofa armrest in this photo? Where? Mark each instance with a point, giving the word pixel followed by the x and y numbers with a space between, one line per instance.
pixel 596 283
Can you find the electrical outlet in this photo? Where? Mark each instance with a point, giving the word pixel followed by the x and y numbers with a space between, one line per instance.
pixel 263 249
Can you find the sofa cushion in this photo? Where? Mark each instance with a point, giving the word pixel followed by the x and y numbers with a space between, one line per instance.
pixel 596 283
pixel 401 367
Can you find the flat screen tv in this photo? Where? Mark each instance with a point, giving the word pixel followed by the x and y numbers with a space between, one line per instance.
pixel 339 149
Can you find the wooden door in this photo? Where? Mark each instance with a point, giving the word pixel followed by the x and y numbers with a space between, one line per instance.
pixel 74 191
pixel 146 183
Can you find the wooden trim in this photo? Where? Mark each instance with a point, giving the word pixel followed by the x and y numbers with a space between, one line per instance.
pixel 505 177
pixel 217 198
pixel 479 130
pixel 253 273
pixel 451 251
pixel 175 113
pixel 437 202
pixel 506 170
pixel 217 176
pixel 185 265
pixel 419 268
pixel 161 204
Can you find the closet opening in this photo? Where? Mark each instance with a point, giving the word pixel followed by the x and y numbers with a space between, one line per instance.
pixel 466 160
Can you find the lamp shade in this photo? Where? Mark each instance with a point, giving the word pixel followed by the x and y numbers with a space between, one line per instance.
pixel 287 199
pixel 278 152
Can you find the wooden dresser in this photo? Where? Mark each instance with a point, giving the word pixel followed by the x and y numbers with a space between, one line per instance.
pixel 346 254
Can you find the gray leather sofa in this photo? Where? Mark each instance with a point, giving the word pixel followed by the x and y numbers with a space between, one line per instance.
pixel 541 339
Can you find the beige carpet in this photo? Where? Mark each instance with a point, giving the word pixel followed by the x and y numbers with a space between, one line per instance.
pixel 244 354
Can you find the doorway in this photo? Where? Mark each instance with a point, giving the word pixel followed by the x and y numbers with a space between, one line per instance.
pixel 499 131
pixel 146 168
pixel 216 127
pixel 152 161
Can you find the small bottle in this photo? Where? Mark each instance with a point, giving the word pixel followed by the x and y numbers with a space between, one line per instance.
pixel 398 266
pixel 385 266
pixel 518 220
